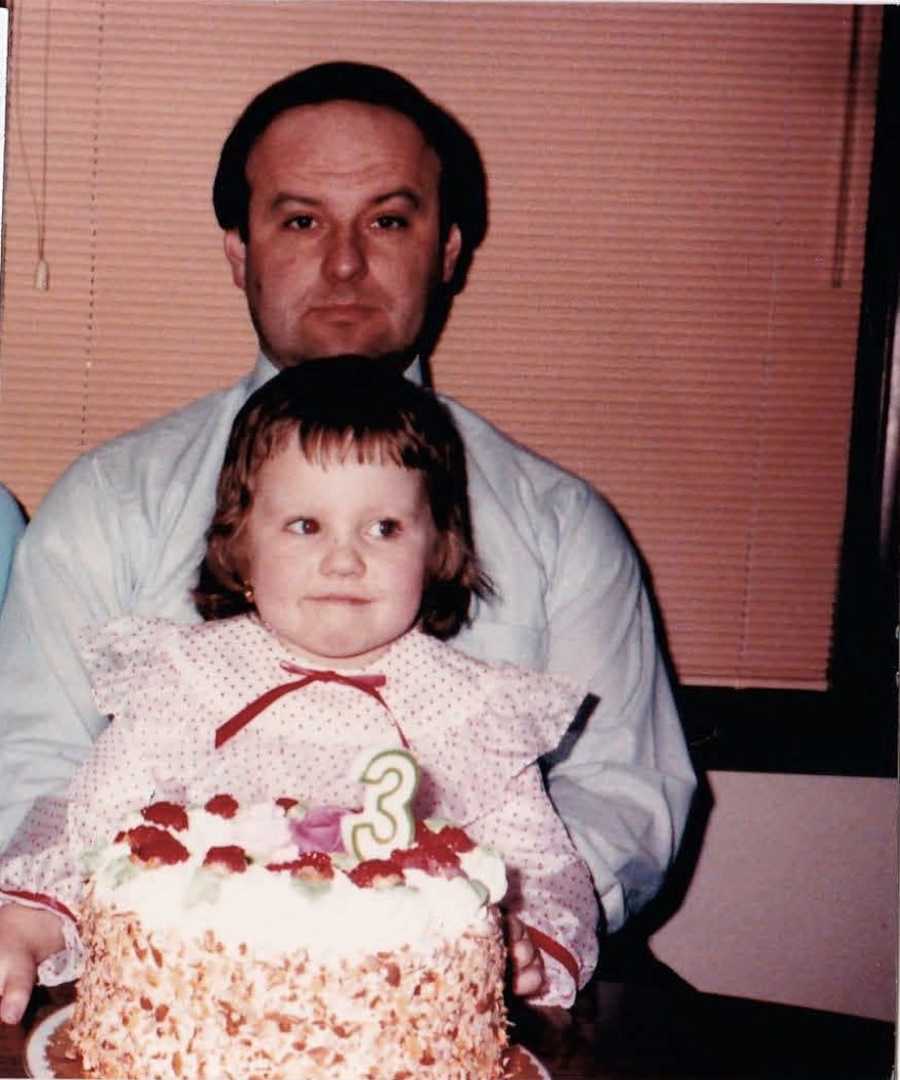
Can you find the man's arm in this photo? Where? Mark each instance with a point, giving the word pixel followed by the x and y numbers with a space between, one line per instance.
pixel 66 573
pixel 121 532
pixel 571 600
pixel 624 785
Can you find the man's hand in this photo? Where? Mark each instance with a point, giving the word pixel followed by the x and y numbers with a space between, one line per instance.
pixel 525 959
pixel 27 936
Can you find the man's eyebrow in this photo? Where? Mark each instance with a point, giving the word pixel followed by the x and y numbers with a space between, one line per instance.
pixel 409 194
pixel 284 197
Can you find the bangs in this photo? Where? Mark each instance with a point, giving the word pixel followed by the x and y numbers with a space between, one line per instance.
pixel 324 445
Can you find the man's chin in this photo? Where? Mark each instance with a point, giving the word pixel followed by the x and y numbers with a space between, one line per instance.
pixel 397 359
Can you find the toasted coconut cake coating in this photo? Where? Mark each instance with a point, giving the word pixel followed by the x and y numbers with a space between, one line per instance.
pixel 246 959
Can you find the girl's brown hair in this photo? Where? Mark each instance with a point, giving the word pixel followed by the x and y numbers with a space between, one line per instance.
pixel 357 407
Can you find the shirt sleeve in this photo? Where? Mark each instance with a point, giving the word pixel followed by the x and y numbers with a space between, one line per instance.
pixel 550 886
pixel 120 531
pixel 623 783
pixel 68 573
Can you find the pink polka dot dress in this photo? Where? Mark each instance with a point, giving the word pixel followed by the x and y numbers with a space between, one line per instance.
pixel 476 731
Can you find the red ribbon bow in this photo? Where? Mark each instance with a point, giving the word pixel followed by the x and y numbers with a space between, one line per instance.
pixel 367 683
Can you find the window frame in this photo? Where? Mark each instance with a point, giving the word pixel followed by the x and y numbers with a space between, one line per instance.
pixel 851 728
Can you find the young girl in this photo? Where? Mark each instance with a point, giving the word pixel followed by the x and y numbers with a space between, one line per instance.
pixel 339 558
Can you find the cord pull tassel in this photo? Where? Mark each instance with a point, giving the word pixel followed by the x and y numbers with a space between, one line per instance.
pixel 42 275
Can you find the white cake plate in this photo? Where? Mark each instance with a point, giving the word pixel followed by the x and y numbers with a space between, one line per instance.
pixel 532 1060
pixel 37 1064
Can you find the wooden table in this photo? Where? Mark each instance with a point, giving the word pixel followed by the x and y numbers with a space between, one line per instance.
pixel 653 1032
pixel 620 1031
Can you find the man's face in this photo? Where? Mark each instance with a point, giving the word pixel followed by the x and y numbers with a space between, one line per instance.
pixel 343 244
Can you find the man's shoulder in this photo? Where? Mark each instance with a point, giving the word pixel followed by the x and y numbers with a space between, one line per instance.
pixel 178 428
pixel 513 469
pixel 480 435
pixel 161 450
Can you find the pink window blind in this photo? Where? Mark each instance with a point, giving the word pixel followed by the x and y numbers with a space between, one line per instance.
pixel 666 303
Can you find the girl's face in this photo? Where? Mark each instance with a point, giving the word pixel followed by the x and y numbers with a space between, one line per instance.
pixel 338 555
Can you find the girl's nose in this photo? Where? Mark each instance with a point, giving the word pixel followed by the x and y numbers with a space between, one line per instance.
pixel 343 560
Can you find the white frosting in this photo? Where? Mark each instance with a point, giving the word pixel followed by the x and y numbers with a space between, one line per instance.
pixel 272 913
pixel 484 865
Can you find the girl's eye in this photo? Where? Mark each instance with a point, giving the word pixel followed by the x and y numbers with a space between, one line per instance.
pixel 384 529
pixel 304 526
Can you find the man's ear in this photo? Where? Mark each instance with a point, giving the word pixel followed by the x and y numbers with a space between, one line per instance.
pixel 236 254
pixel 452 248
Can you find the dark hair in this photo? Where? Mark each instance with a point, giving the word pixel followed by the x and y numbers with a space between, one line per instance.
pixel 356 407
pixel 463 185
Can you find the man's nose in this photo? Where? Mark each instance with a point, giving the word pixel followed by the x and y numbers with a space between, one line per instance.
pixel 345 256
pixel 343 559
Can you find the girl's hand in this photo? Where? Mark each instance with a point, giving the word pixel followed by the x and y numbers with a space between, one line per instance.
pixel 27 936
pixel 525 959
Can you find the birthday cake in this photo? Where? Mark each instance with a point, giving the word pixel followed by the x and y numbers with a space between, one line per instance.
pixel 222 941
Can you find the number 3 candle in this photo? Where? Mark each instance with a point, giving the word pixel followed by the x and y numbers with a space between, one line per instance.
pixel 386 820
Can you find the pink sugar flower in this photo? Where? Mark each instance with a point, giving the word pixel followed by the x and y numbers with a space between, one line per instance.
pixel 318 830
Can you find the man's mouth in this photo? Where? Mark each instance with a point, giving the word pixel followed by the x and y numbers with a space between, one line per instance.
pixel 342 313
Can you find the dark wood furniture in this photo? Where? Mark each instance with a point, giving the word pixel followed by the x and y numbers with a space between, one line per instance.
pixel 622 1031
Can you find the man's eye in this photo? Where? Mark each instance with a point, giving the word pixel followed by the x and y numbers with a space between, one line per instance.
pixel 304 526
pixel 301 222
pixel 385 528
pixel 391 221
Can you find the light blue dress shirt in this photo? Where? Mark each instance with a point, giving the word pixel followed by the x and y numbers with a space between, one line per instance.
pixel 122 532
pixel 12 525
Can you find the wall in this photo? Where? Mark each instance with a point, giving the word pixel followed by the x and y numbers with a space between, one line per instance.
pixel 794 897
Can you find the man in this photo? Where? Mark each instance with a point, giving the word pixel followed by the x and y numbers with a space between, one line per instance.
pixel 351 207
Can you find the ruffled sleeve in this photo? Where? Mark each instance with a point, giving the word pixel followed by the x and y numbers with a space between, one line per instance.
pixel 139 675
pixel 132 663
pixel 475 727
pixel 529 714
pixel 550 886
pixel 38 870
pixel 479 732
pixel 133 666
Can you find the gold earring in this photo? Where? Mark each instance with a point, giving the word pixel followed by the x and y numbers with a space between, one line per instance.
pixel 248 594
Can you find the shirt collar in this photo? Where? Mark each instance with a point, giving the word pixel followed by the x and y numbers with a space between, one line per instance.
pixel 263 370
